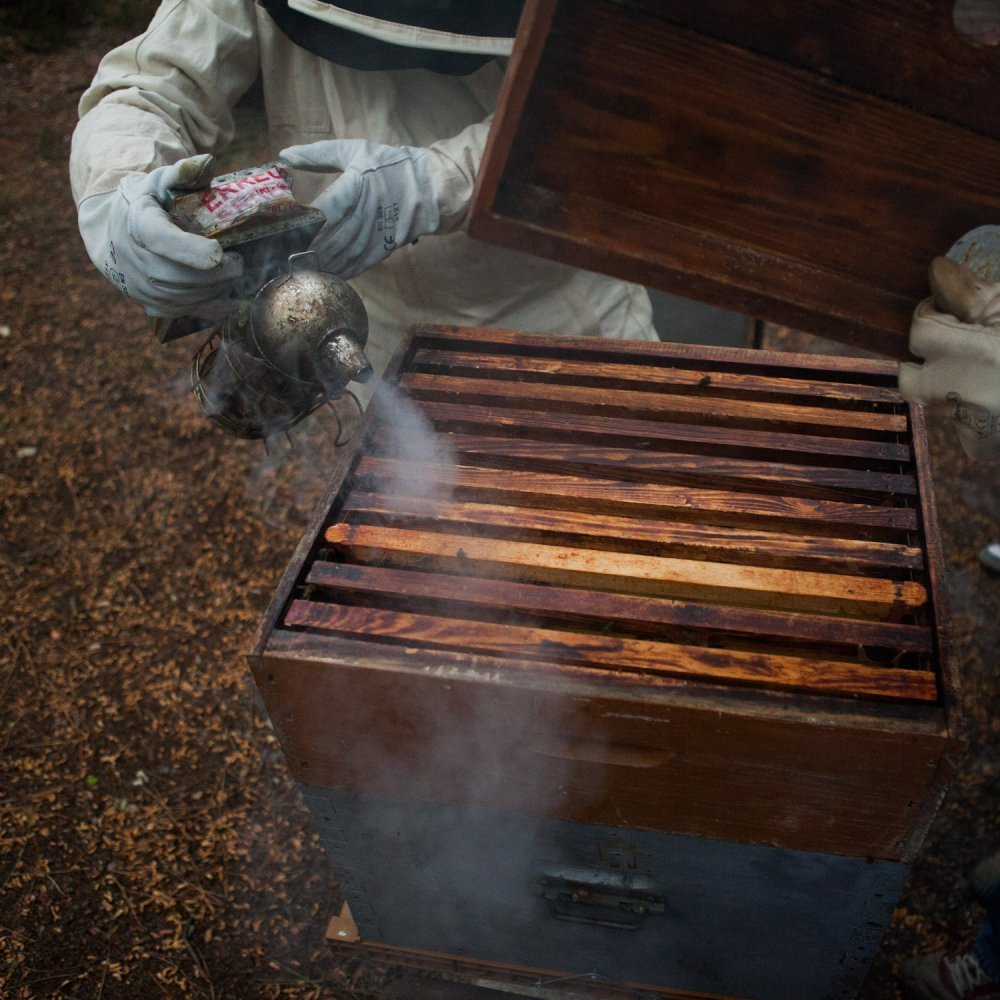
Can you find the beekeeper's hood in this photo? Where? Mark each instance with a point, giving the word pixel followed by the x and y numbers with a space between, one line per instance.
pixel 446 36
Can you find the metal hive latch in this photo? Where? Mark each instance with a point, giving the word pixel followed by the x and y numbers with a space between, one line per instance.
pixel 602 898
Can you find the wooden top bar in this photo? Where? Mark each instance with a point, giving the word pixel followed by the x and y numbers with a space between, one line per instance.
pixel 716 571
pixel 653 510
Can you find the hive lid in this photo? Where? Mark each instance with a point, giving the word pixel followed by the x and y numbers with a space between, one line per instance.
pixel 769 158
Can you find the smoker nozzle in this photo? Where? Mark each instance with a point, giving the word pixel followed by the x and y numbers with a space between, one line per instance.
pixel 283 353
pixel 342 359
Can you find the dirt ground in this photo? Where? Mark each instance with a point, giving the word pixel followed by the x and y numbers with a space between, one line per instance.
pixel 151 841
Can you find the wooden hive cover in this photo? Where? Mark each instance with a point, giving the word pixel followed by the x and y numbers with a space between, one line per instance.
pixel 687 576
pixel 797 162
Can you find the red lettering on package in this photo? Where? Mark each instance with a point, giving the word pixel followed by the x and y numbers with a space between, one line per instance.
pixel 238 199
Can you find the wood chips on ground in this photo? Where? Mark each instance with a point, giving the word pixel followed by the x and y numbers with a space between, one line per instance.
pixel 151 841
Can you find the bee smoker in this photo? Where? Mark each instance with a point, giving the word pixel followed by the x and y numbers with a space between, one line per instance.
pixel 282 353
pixel 292 341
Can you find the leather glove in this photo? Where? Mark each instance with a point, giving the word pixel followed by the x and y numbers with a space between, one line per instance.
pixel 957 333
pixel 384 198
pixel 132 240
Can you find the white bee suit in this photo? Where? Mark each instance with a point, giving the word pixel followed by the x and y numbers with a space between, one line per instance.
pixel 169 94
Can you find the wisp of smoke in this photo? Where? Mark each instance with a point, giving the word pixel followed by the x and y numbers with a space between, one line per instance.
pixel 426 459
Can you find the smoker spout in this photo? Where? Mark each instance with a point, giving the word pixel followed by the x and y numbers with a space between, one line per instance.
pixel 342 360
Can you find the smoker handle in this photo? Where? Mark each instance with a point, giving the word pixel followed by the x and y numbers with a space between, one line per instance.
pixel 593 751
pixel 601 905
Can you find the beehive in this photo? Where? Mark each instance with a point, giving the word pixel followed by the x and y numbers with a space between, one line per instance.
pixel 630 639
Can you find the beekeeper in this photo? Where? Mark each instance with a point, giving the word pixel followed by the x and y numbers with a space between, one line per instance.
pixel 382 106
pixel 956 333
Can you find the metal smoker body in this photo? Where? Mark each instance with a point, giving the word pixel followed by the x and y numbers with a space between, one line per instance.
pixel 283 352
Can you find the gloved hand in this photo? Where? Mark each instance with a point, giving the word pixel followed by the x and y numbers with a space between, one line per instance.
pixel 131 239
pixel 957 333
pixel 384 199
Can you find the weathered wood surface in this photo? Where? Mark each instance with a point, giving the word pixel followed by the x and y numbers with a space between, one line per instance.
pixel 705 469
pixel 747 385
pixel 670 620
pixel 817 560
pixel 625 572
pixel 718 156
pixel 848 40
pixel 446 726
pixel 661 405
pixel 637 534
pixel 733 666
pixel 502 344
pixel 550 547
pixel 564 491
pixel 696 438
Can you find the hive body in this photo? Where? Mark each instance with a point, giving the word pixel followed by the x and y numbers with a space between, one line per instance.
pixel 633 663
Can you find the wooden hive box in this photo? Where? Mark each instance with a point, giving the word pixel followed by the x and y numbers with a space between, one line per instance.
pixel 628 663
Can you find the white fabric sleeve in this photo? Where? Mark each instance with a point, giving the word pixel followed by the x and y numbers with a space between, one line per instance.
pixel 165 95
pixel 454 164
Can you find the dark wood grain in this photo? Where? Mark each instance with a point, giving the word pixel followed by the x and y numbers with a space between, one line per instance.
pixel 704 379
pixel 608 496
pixel 657 354
pixel 614 653
pixel 636 534
pixel 649 434
pixel 586 233
pixel 741 627
pixel 931 68
pixel 513 600
pixel 656 143
pixel 798 166
pixel 667 467
pixel 405 725
pixel 661 405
